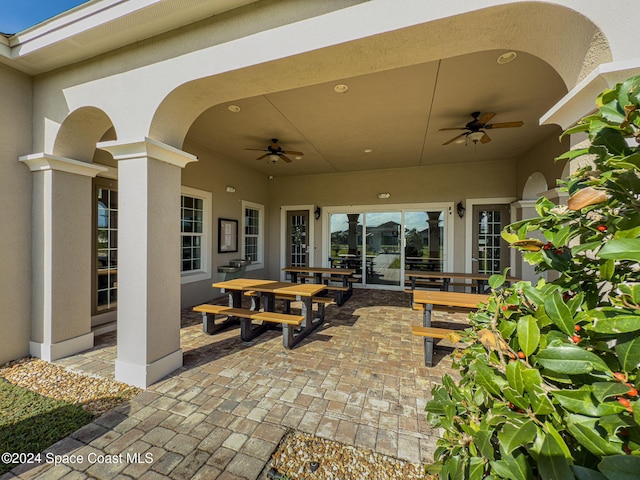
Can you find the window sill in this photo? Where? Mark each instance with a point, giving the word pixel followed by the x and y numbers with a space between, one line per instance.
pixel 196 276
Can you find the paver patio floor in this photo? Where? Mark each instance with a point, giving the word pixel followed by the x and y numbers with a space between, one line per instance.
pixel 358 379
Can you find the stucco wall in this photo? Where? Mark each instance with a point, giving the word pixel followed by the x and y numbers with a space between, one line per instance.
pixel 441 183
pixel 212 174
pixel 15 215
pixel 541 159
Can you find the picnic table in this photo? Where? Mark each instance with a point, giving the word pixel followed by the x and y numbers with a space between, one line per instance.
pixel 430 299
pixel 325 275
pixel 294 327
pixel 445 279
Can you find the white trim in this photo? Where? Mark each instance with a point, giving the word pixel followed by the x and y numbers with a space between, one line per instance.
pixel 261 234
pixel 468 225
pixel 147 148
pixel 39 162
pixel 449 226
pixel 54 351
pixel 144 375
pixel 207 237
pixel 283 234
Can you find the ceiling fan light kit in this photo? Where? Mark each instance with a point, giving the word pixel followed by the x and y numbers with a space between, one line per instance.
pixel 475 129
pixel 274 152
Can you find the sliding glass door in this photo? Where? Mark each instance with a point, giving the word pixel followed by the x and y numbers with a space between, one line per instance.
pixel 382 245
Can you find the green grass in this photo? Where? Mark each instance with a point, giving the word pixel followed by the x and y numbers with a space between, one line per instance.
pixel 30 422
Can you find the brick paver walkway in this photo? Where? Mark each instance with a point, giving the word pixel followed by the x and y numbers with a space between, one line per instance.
pixel 359 379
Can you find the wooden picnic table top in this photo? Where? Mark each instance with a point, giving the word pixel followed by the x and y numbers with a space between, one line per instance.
pixel 330 271
pixel 458 275
pixel 449 299
pixel 272 286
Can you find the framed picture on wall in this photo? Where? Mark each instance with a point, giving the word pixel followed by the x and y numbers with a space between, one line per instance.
pixel 227 235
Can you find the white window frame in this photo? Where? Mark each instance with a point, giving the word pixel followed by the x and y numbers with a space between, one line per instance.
pixel 260 208
pixel 204 273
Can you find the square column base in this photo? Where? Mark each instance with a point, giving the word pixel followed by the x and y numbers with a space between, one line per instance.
pixel 54 351
pixel 144 375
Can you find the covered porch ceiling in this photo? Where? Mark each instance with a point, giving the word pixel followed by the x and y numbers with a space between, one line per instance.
pixel 396 113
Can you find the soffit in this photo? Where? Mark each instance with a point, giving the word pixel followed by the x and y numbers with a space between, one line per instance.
pixel 397 113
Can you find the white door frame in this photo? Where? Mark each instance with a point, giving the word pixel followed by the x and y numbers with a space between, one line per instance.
pixel 447 207
pixel 283 235
pixel 468 226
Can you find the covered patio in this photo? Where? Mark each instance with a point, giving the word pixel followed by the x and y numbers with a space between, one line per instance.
pixel 359 379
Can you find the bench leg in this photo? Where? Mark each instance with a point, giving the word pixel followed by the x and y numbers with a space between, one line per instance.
pixel 286 306
pixel 209 325
pixel 428 341
pixel 249 331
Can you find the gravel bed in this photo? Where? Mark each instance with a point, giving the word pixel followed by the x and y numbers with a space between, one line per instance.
pixel 306 457
pixel 95 394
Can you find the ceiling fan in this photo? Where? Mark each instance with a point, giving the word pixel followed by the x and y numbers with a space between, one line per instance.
pixel 475 129
pixel 275 152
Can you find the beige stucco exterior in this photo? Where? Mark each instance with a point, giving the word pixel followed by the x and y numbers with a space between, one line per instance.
pixel 97 105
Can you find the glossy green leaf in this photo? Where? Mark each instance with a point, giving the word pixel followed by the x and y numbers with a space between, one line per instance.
pixel 604 390
pixel 620 467
pixel 559 440
pixel 514 376
pixel 621 249
pixel 475 469
pixel 482 440
pixel 570 360
pixel 486 377
pixel 559 313
pixel 607 269
pixel 552 464
pixel 528 334
pixel 582 473
pixel 514 436
pixel 584 430
pixel 533 294
pixel 629 354
pixel 514 397
pixel 540 403
pixel 614 320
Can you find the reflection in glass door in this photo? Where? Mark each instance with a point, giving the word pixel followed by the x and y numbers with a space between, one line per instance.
pixel 383 248
pixel 424 241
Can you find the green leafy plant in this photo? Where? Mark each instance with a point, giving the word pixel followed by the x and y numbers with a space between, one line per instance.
pixel 549 382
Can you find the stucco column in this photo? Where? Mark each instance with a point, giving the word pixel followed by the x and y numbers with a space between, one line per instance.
pixel 149 174
pixel 61 255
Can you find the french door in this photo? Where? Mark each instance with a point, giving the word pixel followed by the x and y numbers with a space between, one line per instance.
pixel 490 252
pixel 297 238
pixel 382 245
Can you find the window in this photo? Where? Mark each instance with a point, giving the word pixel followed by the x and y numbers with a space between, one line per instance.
pixel 253 234
pixel 195 235
pixel 106 280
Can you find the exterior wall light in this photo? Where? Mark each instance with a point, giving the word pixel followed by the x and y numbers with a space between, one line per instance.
pixel 384 195
pixel 230 189
pixel 460 209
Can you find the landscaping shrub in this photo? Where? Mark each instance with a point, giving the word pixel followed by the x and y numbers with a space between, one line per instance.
pixel 549 384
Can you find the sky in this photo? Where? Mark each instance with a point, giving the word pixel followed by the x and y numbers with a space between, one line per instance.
pixel 18 15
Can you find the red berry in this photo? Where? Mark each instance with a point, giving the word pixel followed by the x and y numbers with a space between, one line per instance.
pixel 620 377
pixel 624 432
pixel 633 392
pixel 547 246
pixel 626 449
pixel 577 328
pixel 521 355
pixel 576 339
pixel 505 308
pixel 624 402
pixel 602 228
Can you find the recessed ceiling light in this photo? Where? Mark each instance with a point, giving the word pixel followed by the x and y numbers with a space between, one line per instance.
pixel 233 108
pixel 341 88
pixel 507 57
pixel 368 150
pixel 298 157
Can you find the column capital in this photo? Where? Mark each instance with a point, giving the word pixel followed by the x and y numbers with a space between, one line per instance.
pixel 39 162
pixel 147 148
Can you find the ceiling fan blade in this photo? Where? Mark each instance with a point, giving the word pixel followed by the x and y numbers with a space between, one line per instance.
pixel 257 149
pixel 505 125
pixel 263 156
pixel 453 128
pixel 485 117
pixel 285 158
pixel 291 152
pixel 485 138
pixel 454 139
